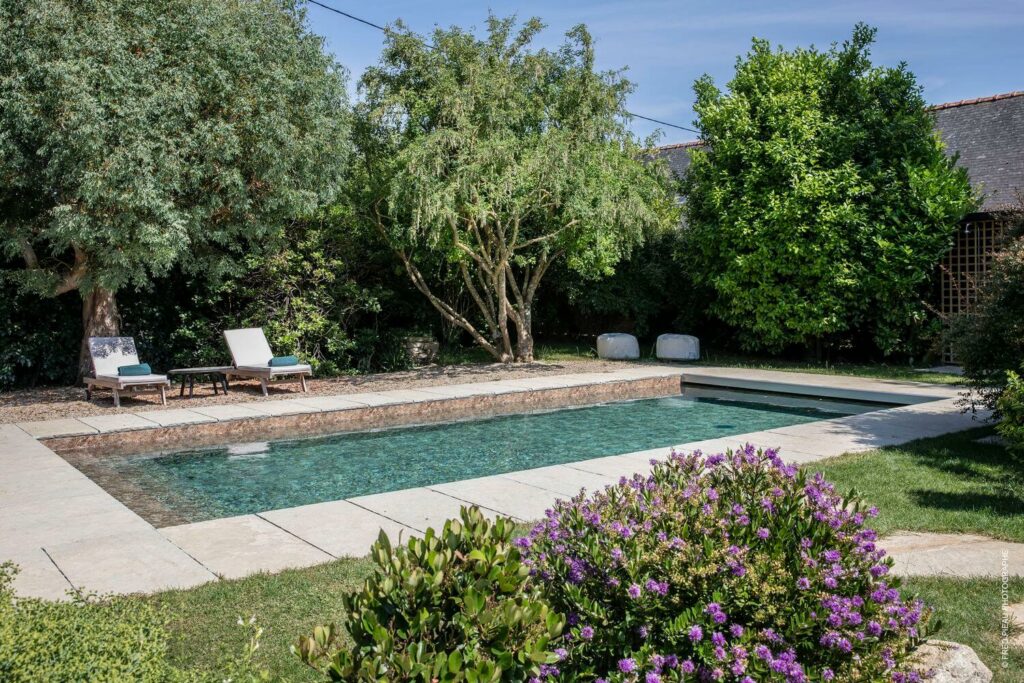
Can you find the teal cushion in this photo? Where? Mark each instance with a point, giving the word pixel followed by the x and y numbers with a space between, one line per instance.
pixel 282 361
pixel 134 370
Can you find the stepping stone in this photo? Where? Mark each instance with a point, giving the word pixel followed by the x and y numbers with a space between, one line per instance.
pixel 960 555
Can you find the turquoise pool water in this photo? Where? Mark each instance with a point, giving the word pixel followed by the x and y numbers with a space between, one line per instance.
pixel 245 478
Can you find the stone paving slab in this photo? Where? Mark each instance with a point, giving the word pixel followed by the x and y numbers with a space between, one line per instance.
pixel 38 576
pixel 118 422
pixel 562 480
pixel 959 555
pixel 135 562
pixel 289 406
pixel 338 527
pixel 48 429
pixel 410 396
pixel 33 486
pixel 33 525
pixel 331 403
pixel 617 465
pixel 505 496
pixel 177 417
pixel 225 412
pixel 415 508
pixel 234 547
pixel 469 390
pixel 387 398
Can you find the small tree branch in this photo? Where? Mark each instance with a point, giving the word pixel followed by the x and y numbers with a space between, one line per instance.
pixel 29 254
pixel 73 280
pixel 449 313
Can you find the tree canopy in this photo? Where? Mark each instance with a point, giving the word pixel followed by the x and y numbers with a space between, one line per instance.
pixel 136 135
pixel 488 159
pixel 821 201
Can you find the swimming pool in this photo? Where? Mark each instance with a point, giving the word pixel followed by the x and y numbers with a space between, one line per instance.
pixel 239 479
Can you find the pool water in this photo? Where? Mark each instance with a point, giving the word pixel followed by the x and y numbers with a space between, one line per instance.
pixel 245 478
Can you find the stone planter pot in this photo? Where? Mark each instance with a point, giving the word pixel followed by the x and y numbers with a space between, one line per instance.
pixel 422 350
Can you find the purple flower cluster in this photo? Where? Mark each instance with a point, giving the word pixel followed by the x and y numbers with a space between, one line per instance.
pixel 723 567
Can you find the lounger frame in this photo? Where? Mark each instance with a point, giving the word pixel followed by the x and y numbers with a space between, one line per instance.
pixel 251 355
pixel 109 353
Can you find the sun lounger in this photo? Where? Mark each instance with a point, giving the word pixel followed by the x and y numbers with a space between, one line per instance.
pixel 110 353
pixel 252 355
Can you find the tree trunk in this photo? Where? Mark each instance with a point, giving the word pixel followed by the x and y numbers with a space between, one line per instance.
pixel 524 336
pixel 100 318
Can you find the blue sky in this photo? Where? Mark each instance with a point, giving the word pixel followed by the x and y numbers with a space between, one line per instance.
pixel 958 50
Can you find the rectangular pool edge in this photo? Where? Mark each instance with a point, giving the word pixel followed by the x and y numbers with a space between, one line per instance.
pixel 358 419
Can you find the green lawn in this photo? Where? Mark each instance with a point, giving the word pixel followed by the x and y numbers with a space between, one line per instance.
pixel 204 620
pixel 969 611
pixel 946 484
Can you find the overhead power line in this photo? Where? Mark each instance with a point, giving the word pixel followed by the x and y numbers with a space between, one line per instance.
pixel 367 22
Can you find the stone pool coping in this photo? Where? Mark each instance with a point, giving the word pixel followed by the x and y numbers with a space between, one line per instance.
pixel 68 533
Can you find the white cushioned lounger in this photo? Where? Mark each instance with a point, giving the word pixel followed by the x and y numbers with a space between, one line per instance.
pixel 251 355
pixel 107 355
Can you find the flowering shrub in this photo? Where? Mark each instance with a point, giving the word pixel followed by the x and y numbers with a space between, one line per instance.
pixel 451 606
pixel 1011 408
pixel 733 567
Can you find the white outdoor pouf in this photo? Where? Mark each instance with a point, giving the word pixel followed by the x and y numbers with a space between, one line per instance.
pixel 618 346
pixel 678 347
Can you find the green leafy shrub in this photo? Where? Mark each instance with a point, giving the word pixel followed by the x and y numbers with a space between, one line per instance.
pixel 732 567
pixel 80 640
pixel 453 606
pixel 89 639
pixel 1011 409
pixel 821 202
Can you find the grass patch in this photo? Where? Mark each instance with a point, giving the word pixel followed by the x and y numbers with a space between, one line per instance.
pixel 203 620
pixel 970 612
pixel 946 484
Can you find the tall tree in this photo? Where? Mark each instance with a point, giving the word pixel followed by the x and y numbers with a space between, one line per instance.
pixel 497 160
pixel 822 201
pixel 135 135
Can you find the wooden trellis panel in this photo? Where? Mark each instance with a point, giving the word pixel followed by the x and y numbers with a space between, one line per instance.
pixel 977 241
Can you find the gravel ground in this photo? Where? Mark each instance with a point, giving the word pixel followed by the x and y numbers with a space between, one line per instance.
pixel 50 403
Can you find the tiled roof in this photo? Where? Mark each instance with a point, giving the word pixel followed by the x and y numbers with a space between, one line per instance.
pixel 987 132
pixel 677 156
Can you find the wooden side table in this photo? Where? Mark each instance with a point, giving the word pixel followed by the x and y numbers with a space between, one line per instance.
pixel 216 374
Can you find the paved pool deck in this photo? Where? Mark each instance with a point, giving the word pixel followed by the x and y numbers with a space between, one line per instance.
pixel 67 533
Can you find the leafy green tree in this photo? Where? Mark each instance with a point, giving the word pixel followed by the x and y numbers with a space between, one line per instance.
pixel 138 135
pixel 822 201
pixel 483 158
